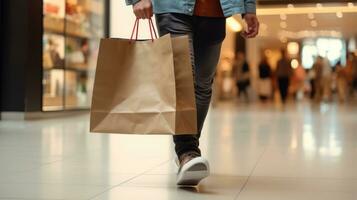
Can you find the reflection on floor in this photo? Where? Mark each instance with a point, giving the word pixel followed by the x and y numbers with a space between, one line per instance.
pixel 257 152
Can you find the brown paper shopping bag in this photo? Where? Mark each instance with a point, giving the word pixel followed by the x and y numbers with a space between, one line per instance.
pixel 144 87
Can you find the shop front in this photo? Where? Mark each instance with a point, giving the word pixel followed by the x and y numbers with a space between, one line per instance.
pixel 72 30
pixel 50 49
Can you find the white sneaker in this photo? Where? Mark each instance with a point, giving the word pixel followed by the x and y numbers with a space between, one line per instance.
pixel 193 171
pixel 177 161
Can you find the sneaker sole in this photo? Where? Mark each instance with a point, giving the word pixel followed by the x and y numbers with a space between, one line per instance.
pixel 193 172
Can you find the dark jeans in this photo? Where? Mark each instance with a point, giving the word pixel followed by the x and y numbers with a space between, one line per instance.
pixel 206 35
pixel 283 87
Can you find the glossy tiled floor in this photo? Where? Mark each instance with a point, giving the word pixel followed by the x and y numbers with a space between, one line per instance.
pixel 256 152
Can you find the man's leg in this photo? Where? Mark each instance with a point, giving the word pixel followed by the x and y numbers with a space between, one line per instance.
pixel 205 51
pixel 177 25
pixel 208 34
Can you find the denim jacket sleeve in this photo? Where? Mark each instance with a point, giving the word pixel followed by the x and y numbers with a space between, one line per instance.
pixel 250 6
pixel 131 2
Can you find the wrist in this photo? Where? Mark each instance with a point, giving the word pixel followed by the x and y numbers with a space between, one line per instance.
pixel 248 13
pixel 135 2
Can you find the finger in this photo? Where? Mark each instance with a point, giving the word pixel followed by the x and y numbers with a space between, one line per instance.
pixel 258 28
pixel 251 33
pixel 254 33
pixel 251 27
pixel 137 14
pixel 147 13
pixel 150 12
pixel 254 29
pixel 141 14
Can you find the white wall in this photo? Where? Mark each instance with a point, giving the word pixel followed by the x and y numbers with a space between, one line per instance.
pixel 122 21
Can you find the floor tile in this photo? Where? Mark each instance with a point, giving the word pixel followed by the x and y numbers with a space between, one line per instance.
pixel 268 188
pixel 311 161
pixel 164 187
pixel 225 160
pixel 49 191
pixel 300 151
pixel 58 175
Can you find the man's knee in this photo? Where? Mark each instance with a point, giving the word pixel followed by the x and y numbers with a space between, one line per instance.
pixel 203 92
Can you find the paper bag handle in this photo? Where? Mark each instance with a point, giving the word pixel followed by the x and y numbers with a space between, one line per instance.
pixel 136 30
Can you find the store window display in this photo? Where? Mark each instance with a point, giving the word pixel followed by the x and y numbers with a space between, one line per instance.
pixel 72 29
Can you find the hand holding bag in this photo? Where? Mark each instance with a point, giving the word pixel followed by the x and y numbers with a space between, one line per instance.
pixel 144 87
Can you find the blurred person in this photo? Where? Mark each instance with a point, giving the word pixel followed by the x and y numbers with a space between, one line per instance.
pixel 283 73
pixel 353 62
pixel 341 81
pixel 326 80
pixel 204 22
pixel 299 81
pixel 349 73
pixel 317 69
pixel 241 73
pixel 265 80
pixel 311 76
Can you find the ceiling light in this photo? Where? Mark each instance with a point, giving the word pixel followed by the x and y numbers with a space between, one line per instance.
pixel 306 10
pixel 291 6
pixel 319 5
pixel 308 34
pixel 234 25
pixel 339 14
pixel 283 16
pixel 350 5
pixel 311 15
pixel 294 63
pixel 293 48
pixel 283 24
pixel 313 23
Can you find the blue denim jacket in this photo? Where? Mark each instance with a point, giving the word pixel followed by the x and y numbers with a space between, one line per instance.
pixel 229 7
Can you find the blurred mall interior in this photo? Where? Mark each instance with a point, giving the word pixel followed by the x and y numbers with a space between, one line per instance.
pixel 271 133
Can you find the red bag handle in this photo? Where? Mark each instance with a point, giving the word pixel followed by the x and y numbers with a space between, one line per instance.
pixel 136 30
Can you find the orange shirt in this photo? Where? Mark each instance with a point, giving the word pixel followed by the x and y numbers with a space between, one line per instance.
pixel 208 8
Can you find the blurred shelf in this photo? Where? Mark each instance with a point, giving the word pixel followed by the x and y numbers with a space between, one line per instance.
pixel 77 69
pixel 53 24
pixel 68 28
pixel 77 107
pixel 78 35
pixel 52 68
pixel 73 28
pixel 52 108
pixel 52 103
pixel 67 68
